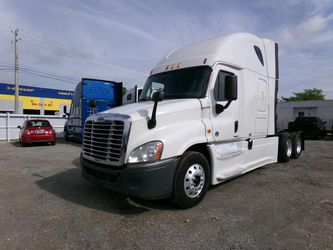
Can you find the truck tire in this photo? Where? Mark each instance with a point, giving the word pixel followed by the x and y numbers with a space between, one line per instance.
pixel 285 147
pixel 191 181
pixel 297 145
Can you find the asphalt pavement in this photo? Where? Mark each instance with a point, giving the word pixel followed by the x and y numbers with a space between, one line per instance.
pixel 45 204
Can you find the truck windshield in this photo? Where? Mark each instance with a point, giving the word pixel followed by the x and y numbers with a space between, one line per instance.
pixel 182 83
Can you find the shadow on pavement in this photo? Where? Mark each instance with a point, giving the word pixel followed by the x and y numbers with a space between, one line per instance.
pixel 35 144
pixel 71 142
pixel 70 186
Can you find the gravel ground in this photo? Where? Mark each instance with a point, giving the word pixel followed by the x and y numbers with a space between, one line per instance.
pixel 45 204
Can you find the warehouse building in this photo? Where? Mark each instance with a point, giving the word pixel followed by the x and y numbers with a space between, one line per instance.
pixel 34 100
pixel 288 111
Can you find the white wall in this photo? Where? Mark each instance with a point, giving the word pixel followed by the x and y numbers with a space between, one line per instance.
pixel 288 111
pixel 9 123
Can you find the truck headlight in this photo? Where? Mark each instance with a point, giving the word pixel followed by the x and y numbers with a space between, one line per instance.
pixel 150 151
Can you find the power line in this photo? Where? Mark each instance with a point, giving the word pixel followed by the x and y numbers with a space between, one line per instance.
pixel 91 61
pixel 42 74
pixel 102 61
pixel 74 51
pixel 40 71
pixel 76 54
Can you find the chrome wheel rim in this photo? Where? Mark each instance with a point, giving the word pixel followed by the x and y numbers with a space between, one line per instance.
pixel 298 145
pixel 289 148
pixel 194 180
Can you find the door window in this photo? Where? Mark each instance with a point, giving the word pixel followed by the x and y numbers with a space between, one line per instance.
pixel 219 94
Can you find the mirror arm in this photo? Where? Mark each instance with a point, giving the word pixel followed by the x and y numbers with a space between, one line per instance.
pixel 152 121
pixel 220 108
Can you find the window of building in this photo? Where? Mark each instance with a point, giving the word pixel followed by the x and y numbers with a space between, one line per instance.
pixel 31 111
pixel 50 112
pixel 129 97
pixel 301 114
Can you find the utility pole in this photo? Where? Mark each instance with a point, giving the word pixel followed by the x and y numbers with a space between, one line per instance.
pixel 17 103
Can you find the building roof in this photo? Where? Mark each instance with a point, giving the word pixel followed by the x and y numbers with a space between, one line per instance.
pixel 304 104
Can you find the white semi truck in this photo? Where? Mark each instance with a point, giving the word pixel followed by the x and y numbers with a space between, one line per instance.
pixel 207 113
pixel 132 95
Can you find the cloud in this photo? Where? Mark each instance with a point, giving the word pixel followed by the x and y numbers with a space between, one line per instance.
pixel 315 23
pixel 123 40
pixel 311 31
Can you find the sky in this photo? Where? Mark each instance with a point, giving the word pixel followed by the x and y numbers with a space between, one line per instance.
pixel 62 41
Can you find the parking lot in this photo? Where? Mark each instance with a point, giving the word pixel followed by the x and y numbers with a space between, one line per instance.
pixel 44 203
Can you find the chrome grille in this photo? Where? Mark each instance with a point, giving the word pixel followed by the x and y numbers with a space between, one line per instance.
pixel 103 140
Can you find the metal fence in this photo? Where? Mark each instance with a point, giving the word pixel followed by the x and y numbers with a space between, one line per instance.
pixel 9 123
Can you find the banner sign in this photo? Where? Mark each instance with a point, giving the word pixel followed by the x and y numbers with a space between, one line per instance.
pixel 9 89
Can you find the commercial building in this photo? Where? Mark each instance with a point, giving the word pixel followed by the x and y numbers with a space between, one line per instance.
pixel 288 111
pixel 34 100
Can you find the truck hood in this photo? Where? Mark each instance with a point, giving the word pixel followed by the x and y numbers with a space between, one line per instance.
pixel 143 110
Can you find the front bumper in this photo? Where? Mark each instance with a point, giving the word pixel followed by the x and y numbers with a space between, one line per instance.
pixel 143 180
pixel 38 138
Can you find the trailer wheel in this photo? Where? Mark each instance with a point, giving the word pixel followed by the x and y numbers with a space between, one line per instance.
pixel 285 147
pixel 297 145
pixel 191 180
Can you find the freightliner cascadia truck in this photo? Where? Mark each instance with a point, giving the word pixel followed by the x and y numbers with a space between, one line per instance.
pixel 206 113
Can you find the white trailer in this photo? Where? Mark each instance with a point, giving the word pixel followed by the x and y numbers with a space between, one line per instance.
pixel 132 95
pixel 207 113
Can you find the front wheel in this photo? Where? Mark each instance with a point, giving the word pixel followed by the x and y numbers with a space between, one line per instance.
pixel 191 180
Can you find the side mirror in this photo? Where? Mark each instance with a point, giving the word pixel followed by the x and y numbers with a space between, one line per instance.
pixel 230 89
pixel 158 96
pixel 20 127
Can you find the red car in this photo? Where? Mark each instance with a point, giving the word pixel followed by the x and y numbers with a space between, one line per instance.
pixel 37 131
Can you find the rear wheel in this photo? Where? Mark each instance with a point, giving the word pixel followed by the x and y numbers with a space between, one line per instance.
pixel 285 147
pixel 297 145
pixel 191 180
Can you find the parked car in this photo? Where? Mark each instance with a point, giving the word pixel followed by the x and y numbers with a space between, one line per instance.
pixel 310 126
pixel 37 130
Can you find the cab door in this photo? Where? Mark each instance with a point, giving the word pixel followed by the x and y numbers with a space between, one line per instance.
pixel 227 148
pixel 225 124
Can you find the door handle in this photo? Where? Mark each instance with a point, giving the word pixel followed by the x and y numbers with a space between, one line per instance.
pixel 249 143
pixel 236 126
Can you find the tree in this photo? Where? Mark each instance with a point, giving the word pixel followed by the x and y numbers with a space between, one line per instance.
pixel 124 90
pixel 306 94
